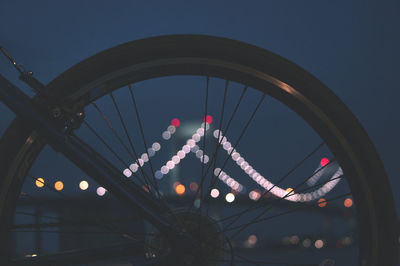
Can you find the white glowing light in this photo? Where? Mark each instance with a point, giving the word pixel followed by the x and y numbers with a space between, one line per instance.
pixel 230 197
pixel 83 185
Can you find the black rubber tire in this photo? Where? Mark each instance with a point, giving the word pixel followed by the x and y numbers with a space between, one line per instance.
pixel 241 62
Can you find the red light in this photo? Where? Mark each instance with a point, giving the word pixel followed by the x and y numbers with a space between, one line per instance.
pixel 324 161
pixel 194 186
pixel 209 119
pixel 175 122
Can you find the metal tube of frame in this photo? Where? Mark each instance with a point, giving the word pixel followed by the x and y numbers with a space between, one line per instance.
pixel 87 159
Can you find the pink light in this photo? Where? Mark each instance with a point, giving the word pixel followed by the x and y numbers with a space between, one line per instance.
pixel 324 161
pixel 175 122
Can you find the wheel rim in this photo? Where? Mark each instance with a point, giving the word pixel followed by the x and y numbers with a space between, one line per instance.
pixel 331 132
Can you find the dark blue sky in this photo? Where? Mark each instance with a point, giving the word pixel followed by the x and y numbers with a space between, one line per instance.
pixel 352 46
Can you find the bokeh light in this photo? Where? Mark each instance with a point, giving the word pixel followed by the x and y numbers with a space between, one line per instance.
pixel 180 189
pixel 83 185
pixel 175 122
pixel 193 186
pixel 348 203
pixel 209 119
pixel 319 243
pixel 39 182
pixel 321 202
pixel 58 185
pixel 324 161
pixel 101 191
pixel 214 193
pixel 230 197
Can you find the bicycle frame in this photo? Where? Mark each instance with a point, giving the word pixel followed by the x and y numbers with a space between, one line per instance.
pixel 91 162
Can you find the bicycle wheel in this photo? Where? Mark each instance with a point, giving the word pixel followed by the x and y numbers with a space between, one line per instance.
pixel 233 76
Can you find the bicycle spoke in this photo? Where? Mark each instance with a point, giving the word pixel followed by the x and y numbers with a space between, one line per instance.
pixel 219 132
pixel 120 141
pixel 204 147
pixel 293 209
pixel 136 159
pixel 288 194
pixel 296 166
pixel 143 137
pixel 301 191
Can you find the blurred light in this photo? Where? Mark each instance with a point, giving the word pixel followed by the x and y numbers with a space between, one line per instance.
pixel 175 184
pixel 348 203
pixel 346 240
pixel 83 185
pixel 196 203
pixel 134 167
pixel 158 174
pixel 319 243
pixel 171 129
pixel 290 191
pixel 151 152
pixel 34 255
pixel 294 240
pixel 176 159
pixel 164 170
pixel 209 119
pixel 146 188
pixel 39 182
pixel 127 173
pixel 144 157
pixel 306 243
pixel 214 193
pixel 254 195
pixel 180 189
pixel 321 202
pixel 58 185
pixel 324 161
pixel 252 239
pixel 204 159
pixel 175 122
pixel 101 191
pixel 170 165
pixel 156 146
pixel 193 186
pixel 181 154
pixel 166 135
pixel 230 197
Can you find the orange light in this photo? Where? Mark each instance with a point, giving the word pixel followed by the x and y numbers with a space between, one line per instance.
pixel 290 191
pixel 39 182
pixel 58 185
pixel 348 203
pixel 321 202
pixel 180 189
